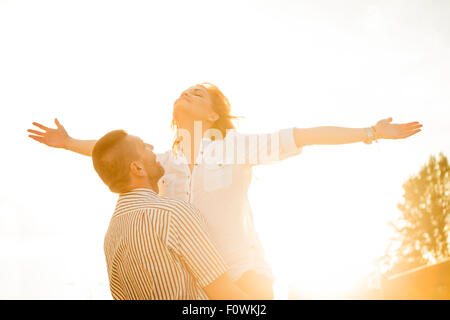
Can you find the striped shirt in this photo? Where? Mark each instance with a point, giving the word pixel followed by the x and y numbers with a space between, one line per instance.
pixel 158 248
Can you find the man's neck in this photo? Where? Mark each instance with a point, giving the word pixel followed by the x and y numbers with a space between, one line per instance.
pixel 145 185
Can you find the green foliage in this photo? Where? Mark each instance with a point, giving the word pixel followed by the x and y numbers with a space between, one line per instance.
pixel 422 231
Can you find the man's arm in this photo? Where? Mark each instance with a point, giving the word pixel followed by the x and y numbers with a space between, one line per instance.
pixel 59 138
pixel 339 135
pixel 189 238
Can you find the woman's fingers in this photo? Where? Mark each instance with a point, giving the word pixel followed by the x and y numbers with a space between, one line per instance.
pixel 411 124
pixel 406 135
pixel 37 138
pixel 57 123
pixel 36 132
pixel 40 126
pixel 412 127
pixel 384 122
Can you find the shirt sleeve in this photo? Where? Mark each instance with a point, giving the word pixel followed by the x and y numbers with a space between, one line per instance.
pixel 255 149
pixel 188 237
pixel 288 147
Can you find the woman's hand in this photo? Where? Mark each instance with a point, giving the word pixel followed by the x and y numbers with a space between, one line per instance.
pixel 387 130
pixel 57 138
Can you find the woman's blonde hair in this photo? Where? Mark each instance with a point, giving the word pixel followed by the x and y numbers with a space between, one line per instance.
pixel 220 105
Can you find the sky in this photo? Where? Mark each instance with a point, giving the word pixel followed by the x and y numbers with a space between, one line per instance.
pixel 101 65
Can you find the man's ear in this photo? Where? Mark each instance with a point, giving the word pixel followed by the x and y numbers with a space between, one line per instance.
pixel 137 169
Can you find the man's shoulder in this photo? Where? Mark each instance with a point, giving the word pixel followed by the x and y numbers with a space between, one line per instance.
pixel 179 209
pixel 177 206
pixel 170 205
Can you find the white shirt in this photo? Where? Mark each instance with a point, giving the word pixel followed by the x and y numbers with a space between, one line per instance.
pixel 218 187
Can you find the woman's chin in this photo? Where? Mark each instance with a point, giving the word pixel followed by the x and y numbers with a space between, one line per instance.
pixel 184 114
pixel 182 104
pixel 180 110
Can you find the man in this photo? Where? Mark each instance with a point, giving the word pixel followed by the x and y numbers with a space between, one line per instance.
pixel 155 247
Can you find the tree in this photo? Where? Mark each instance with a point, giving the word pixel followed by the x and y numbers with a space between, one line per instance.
pixel 422 231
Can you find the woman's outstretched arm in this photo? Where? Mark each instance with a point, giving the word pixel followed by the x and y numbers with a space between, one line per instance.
pixel 59 138
pixel 384 129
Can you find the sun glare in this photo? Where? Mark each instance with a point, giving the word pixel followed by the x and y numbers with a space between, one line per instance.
pixel 322 216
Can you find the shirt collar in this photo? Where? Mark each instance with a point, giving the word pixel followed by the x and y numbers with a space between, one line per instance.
pixel 134 199
pixel 203 145
pixel 139 193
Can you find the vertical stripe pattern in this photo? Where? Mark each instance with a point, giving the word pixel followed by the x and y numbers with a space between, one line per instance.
pixel 158 248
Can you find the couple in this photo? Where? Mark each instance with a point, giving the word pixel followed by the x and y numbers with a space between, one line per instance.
pixel 217 188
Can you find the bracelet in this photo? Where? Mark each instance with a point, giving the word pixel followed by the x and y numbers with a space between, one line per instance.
pixel 371 132
pixel 374 130
pixel 369 136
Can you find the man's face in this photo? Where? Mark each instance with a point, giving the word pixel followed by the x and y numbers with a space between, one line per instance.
pixel 152 167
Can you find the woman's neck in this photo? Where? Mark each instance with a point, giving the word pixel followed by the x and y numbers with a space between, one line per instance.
pixel 192 133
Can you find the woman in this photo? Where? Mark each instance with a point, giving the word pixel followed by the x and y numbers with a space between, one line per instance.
pixel 210 165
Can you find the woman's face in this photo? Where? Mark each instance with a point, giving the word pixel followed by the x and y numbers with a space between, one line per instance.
pixel 194 104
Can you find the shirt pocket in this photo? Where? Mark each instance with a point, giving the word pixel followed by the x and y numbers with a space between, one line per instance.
pixel 217 176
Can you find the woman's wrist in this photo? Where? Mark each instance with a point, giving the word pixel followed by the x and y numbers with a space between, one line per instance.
pixel 68 143
pixel 370 134
pixel 376 133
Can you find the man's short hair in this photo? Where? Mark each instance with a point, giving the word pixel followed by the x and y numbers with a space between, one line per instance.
pixel 112 156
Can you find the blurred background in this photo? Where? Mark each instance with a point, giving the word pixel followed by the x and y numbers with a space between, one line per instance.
pixel 337 222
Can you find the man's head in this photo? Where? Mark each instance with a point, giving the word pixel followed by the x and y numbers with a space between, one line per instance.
pixel 124 162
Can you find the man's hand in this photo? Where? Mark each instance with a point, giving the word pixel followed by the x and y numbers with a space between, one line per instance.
pixel 387 130
pixel 223 288
pixel 57 138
